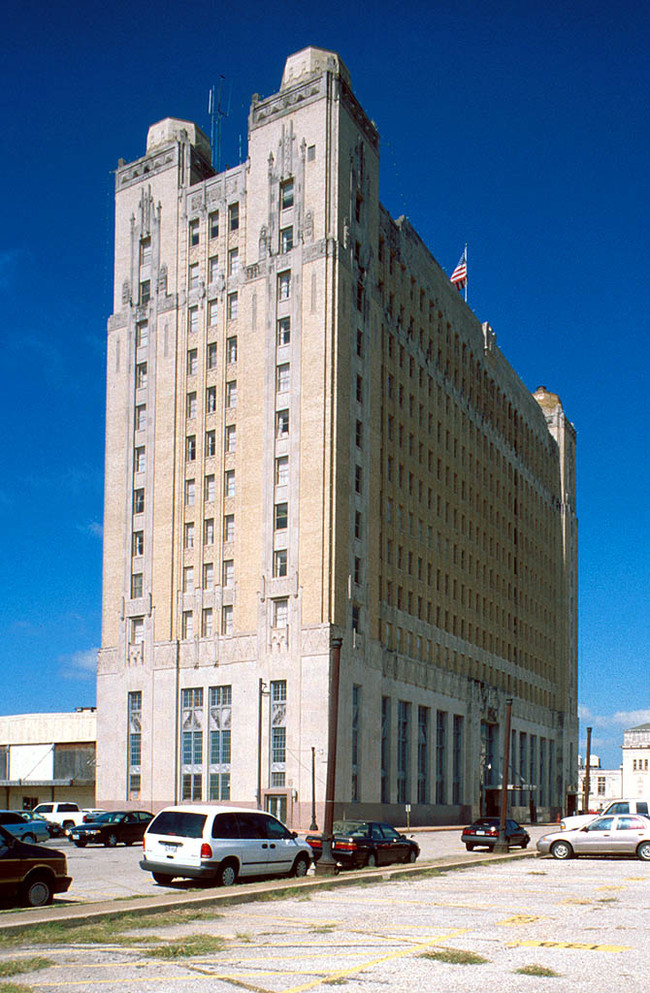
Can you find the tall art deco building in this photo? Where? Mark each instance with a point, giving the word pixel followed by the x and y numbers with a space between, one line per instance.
pixel 310 436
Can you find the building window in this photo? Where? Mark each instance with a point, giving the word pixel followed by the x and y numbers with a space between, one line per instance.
pixel 283 378
pixel 140 375
pixel 188 579
pixel 423 754
pixel 140 416
pixel 208 531
pixel 192 362
pixel 286 194
pixel 284 285
pixel 281 516
pixel 229 572
pixel 145 251
pixel 231 438
pixel 280 562
pixel 281 613
pixel 189 535
pixel 206 622
pixel 357 524
pixel 190 448
pixel 193 320
pixel 213 268
pixel 284 331
pixel 403 751
pixel 213 224
pixel 211 399
pixel 210 443
pixel 231 393
pixel 194 233
pixel 134 744
pixel 358 435
pixel 139 459
pixel 187 624
pixel 233 306
pixel 192 743
pixel 209 488
pixel 385 749
pixel 457 760
pixel 213 312
pixel 220 718
pixel 229 527
pixel 282 424
pixel 286 240
pixel 227 620
pixel 282 470
pixel 358 479
pixel 211 353
pixel 231 350
pixel 441 757
pixel 144 295
pixel 233 261
pixel 141 334
pixel 137 630
pixel 278 728
pixel 229 483
pixel 208 575
pixel 359 389
pixel 138 543
pixel 193 276
pixel 311 153
pixel 356 743
pixel 136 585
pixel 191 405
pixel 601 785
pixel 138 501
pixel 233 217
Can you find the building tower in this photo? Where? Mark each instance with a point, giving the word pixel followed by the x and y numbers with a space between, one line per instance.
pixel 311 437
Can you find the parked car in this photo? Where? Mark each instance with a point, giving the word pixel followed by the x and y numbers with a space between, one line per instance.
pixel 626 834
pixel 112 827
pixel 54 830
pixel 64 812
pixel 484 833
pixel 219 844
pixel 30 874
pixel 23 826
pixel 359 843
pixel 90 813
pixel 630 806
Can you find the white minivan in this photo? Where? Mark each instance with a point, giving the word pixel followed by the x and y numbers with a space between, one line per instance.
pixel 219 844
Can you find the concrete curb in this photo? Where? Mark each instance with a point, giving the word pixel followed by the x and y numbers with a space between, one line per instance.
pixel 84 913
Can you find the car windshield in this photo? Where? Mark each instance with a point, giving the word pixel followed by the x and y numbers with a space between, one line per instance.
pixel 180 823
pixel 351 827
pixel 486 822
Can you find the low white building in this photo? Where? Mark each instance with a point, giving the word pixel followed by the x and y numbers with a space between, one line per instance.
pixel 604 784
pixel 47 757
pixel 636 761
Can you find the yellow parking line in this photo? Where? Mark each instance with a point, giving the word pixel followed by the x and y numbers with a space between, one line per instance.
pixel 520 919
pixel 577 945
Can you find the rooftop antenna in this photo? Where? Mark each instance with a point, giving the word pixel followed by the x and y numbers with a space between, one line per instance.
pixel 217 113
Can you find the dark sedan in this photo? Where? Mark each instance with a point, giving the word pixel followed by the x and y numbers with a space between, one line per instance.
pixel 30 874
pixel 484 833
pixel 112 827
pixel 360 843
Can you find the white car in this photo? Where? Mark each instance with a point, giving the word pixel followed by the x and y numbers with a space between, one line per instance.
pixel 219 844
pixel 633 806
pixel 625 834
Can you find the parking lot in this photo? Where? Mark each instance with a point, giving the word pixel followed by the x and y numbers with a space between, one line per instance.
pixel 578 925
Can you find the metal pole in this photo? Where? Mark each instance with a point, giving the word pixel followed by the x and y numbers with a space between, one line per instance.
pixel 313 826
pixel 259 743
pixel 587 782
pixel 502 843
pixel 326 864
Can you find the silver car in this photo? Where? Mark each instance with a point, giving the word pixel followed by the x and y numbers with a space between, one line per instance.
pixel 627 834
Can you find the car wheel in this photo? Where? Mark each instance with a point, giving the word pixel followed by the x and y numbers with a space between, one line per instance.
pixel 470 848
pixel 29 839
pixel 67 825
pixel 300 867
pixel 561 850
pixel 80 842
pixel 37 891
pixel 111 840
pixel 226 874
pixel 162 878
pixel 525 843
pixel 371 861
pixel 643 851
pixel 411 857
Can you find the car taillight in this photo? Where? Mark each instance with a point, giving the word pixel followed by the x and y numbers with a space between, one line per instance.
pixel 345 846
pixel 206 851
pixel 315 842
pixel 494 830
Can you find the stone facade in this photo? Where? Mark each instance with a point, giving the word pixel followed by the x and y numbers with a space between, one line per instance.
pixel 636 761
pixel 310 436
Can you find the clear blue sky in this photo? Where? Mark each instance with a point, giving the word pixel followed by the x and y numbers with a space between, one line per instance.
pixel 521 129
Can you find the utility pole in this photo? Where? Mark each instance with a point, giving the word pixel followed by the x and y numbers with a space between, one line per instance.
pixel 502 843
pixel 326 865
pixel 587 781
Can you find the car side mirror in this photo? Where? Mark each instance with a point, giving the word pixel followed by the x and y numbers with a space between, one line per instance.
pixel 294 834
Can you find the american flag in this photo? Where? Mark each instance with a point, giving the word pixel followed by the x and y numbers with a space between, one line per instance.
pixel 459 275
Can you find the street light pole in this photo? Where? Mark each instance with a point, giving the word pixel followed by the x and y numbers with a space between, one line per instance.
pixel 587 781
pixel 502 843
pixel 326 865
pixel 313 826
pixel 260 697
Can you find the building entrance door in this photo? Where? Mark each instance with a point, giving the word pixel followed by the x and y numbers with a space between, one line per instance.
pixel 276 804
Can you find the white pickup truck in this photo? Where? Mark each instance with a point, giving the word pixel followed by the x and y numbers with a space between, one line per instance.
pixel 65 813
pixel 627 806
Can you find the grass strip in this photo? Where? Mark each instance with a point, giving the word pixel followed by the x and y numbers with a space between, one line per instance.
pixel 536 970
pixel 189 947
pixel 14 967
pixel 454 956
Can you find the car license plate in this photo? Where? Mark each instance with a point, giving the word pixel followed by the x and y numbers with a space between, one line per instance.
pixel 171 848
pixel 480 832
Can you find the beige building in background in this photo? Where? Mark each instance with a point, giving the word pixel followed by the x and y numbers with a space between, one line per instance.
pixel 310 436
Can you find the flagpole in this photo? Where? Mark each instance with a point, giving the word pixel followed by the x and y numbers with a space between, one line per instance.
pixel 466 272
